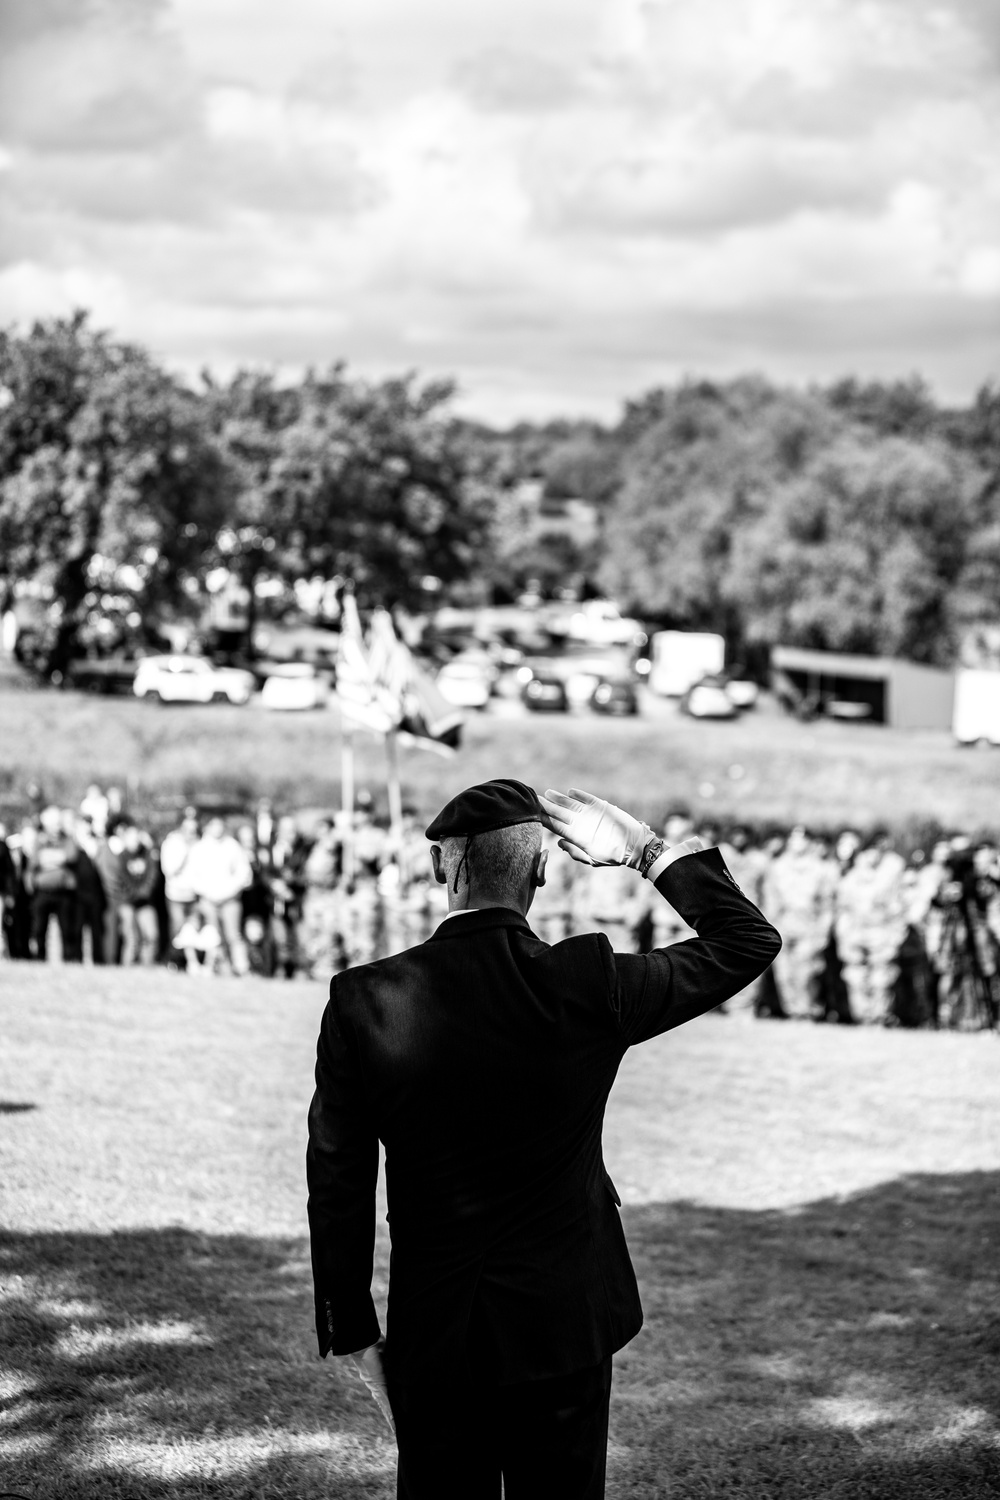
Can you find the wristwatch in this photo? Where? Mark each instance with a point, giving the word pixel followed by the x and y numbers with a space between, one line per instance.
pixel 651 854
pixel 659 853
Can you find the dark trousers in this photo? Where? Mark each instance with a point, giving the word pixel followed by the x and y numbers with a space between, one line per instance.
pixel 767 997
pixel 91 916
pixel 547 1438
pixel 63 906
pixel 828 988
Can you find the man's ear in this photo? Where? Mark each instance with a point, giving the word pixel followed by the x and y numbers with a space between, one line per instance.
pixel 538 868
pixel 438 863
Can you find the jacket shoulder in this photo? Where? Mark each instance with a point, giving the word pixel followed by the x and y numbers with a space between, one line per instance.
pixel 358 981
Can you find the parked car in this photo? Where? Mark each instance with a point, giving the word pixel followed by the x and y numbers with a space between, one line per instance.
pixel 191 679
pixel 545 694
pixel 708 699
pixel 296 687
pixel 743 691
pixel 112 674
pixel 467 680
pixel 615 696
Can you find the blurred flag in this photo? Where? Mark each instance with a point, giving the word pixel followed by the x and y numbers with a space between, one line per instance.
pixel 390 665
pixel 433 723
pixel 420 711
pixel 356 692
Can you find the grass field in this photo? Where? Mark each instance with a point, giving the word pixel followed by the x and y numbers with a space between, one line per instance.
pixel 762 766
pixel 812 1211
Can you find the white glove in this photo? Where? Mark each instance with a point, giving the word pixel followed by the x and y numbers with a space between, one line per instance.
pixel 369 1365
pixel 595 832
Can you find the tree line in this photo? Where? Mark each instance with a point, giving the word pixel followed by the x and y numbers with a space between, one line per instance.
pixel 860 516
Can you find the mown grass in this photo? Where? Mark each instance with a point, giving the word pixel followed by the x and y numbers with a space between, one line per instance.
pixel 760 767
pixel 812 1211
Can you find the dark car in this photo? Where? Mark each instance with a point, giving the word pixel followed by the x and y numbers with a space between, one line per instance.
pixel 112 674
pixel 708 699
pixel 545 693
pixel 615 696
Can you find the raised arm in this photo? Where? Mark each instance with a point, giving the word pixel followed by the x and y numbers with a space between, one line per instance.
pixel 654 992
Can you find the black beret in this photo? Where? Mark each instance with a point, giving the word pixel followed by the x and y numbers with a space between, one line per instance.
pixel 481 809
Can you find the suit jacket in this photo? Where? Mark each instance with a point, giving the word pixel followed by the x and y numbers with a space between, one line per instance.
pixel 483 1060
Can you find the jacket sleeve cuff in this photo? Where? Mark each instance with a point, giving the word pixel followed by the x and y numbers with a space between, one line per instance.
pixel 668 857
pixel 358 1330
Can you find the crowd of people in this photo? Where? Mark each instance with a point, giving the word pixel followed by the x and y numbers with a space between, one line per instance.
pixel 870 935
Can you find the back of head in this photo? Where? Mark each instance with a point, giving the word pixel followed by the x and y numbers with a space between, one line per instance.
pixel 494 866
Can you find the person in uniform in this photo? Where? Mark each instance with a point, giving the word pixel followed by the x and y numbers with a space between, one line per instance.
pixel 767 1001
pixel 746 863
pixel 828 988
pixel 483 1060
pixel 914 998
pixel 797 894
pixel 605 901
pixel 871 926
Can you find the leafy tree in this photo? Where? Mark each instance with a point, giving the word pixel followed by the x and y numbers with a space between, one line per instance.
pixel 695 478
pixel 863 550
pixel 110 489
pixel 551 559
pixel 586 466
pixel 895 408
pixel 341 477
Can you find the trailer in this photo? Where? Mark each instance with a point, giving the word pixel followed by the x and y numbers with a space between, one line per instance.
pixel 879 689
pixel 680 658
pixel 976 720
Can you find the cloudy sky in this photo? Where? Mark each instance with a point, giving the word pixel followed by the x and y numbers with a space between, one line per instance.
pixel 561 202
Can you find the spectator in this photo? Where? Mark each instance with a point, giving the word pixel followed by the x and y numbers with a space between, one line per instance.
pixel 21 845
pixel 8 894
pixel 259 946
pixel 198 941
pixel 51 881
pixel 108 861
pixel 255 900
pixel 219 872
pixel 371 843
pixel 175 855
pixel 96 808
pixel 266 829
pixel 323 861
pixel 140 870
pixel 285 874
pixel 89 888
pixel 322 924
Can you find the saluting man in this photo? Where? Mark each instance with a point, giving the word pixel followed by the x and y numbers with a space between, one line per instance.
pixel 483 1060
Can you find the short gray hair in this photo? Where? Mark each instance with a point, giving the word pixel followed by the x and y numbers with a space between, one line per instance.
pixel 497 861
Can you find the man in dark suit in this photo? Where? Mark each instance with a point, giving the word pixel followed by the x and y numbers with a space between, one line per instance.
pixel 483 1060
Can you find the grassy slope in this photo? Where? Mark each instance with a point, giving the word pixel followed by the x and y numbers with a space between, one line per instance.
pixel 812 1213
pixel 826 772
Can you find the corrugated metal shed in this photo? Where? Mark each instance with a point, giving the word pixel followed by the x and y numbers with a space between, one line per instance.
pixel 915 697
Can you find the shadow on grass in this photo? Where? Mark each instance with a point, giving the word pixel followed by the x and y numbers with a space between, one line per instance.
pixel 847 1350
pixel 8 1107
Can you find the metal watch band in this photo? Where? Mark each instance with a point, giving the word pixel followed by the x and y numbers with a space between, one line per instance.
pixel 650 855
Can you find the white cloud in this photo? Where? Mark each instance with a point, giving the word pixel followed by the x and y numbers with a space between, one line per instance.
pixel 558 201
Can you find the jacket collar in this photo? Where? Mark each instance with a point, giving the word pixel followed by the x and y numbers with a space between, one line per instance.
pixel 487 917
